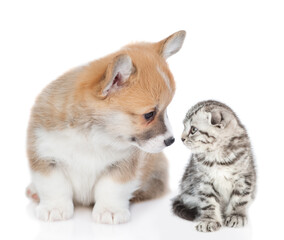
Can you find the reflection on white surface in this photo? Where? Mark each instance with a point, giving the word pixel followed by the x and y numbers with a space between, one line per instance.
pixel 150 220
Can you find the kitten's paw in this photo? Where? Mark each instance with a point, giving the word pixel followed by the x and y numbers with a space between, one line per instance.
pixel 235 221
pixel 208 226
pixel 55 212
pixel 104 215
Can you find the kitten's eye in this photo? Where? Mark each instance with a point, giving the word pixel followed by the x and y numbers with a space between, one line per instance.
pixel 149 116
pixel 193 130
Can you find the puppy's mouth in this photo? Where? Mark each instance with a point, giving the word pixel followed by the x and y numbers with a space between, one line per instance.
pixel 152 145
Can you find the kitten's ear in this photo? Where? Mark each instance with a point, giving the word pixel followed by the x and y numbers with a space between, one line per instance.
pixel 116 75
pixel 220 118
pixel 171 45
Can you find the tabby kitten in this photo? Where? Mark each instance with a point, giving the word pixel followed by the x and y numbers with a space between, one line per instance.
pixel 219 181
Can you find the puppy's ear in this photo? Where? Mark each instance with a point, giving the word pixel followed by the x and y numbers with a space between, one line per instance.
pixel 116 75
pixel 171 44
pixel 220 118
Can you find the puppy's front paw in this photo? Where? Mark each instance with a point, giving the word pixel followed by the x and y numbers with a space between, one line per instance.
pixel 235 221
pixel 107 216
pixel 55 212
pixel 208 226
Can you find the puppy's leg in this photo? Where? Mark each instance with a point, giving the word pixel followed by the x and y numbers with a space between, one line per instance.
pixel 154 178
pixel 112 200
pixel 31 193
pixel 55 194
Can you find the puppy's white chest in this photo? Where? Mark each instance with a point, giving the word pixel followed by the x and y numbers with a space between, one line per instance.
pixel 81 157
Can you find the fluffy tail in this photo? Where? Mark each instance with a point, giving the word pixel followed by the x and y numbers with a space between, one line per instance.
pixel 183 211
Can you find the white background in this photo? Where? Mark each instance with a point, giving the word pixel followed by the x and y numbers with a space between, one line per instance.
pixel 233 52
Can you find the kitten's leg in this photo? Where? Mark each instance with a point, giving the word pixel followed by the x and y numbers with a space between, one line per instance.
pixel 112 200
pixel 235 214
pixel 55 195
pixel 210 212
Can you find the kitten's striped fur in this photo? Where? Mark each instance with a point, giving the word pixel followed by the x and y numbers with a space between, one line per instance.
pixel 219 181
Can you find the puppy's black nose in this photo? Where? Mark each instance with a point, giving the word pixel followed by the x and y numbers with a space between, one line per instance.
pixel 169 141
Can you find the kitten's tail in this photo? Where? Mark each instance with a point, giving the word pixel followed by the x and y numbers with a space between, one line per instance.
pixel 184 211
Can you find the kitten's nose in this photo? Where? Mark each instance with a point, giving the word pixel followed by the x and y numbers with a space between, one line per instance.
pixel 182 139
pixel 169 141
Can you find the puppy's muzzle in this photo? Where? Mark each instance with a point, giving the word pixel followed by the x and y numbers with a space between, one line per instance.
pixel 169 141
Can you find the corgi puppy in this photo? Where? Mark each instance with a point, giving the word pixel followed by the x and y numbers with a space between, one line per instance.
pixel 96 134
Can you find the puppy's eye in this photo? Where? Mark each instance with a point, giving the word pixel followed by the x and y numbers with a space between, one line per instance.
pixel 193 130
pixel 149 116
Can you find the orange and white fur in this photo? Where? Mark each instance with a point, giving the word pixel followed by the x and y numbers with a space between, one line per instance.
pixel 96 134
